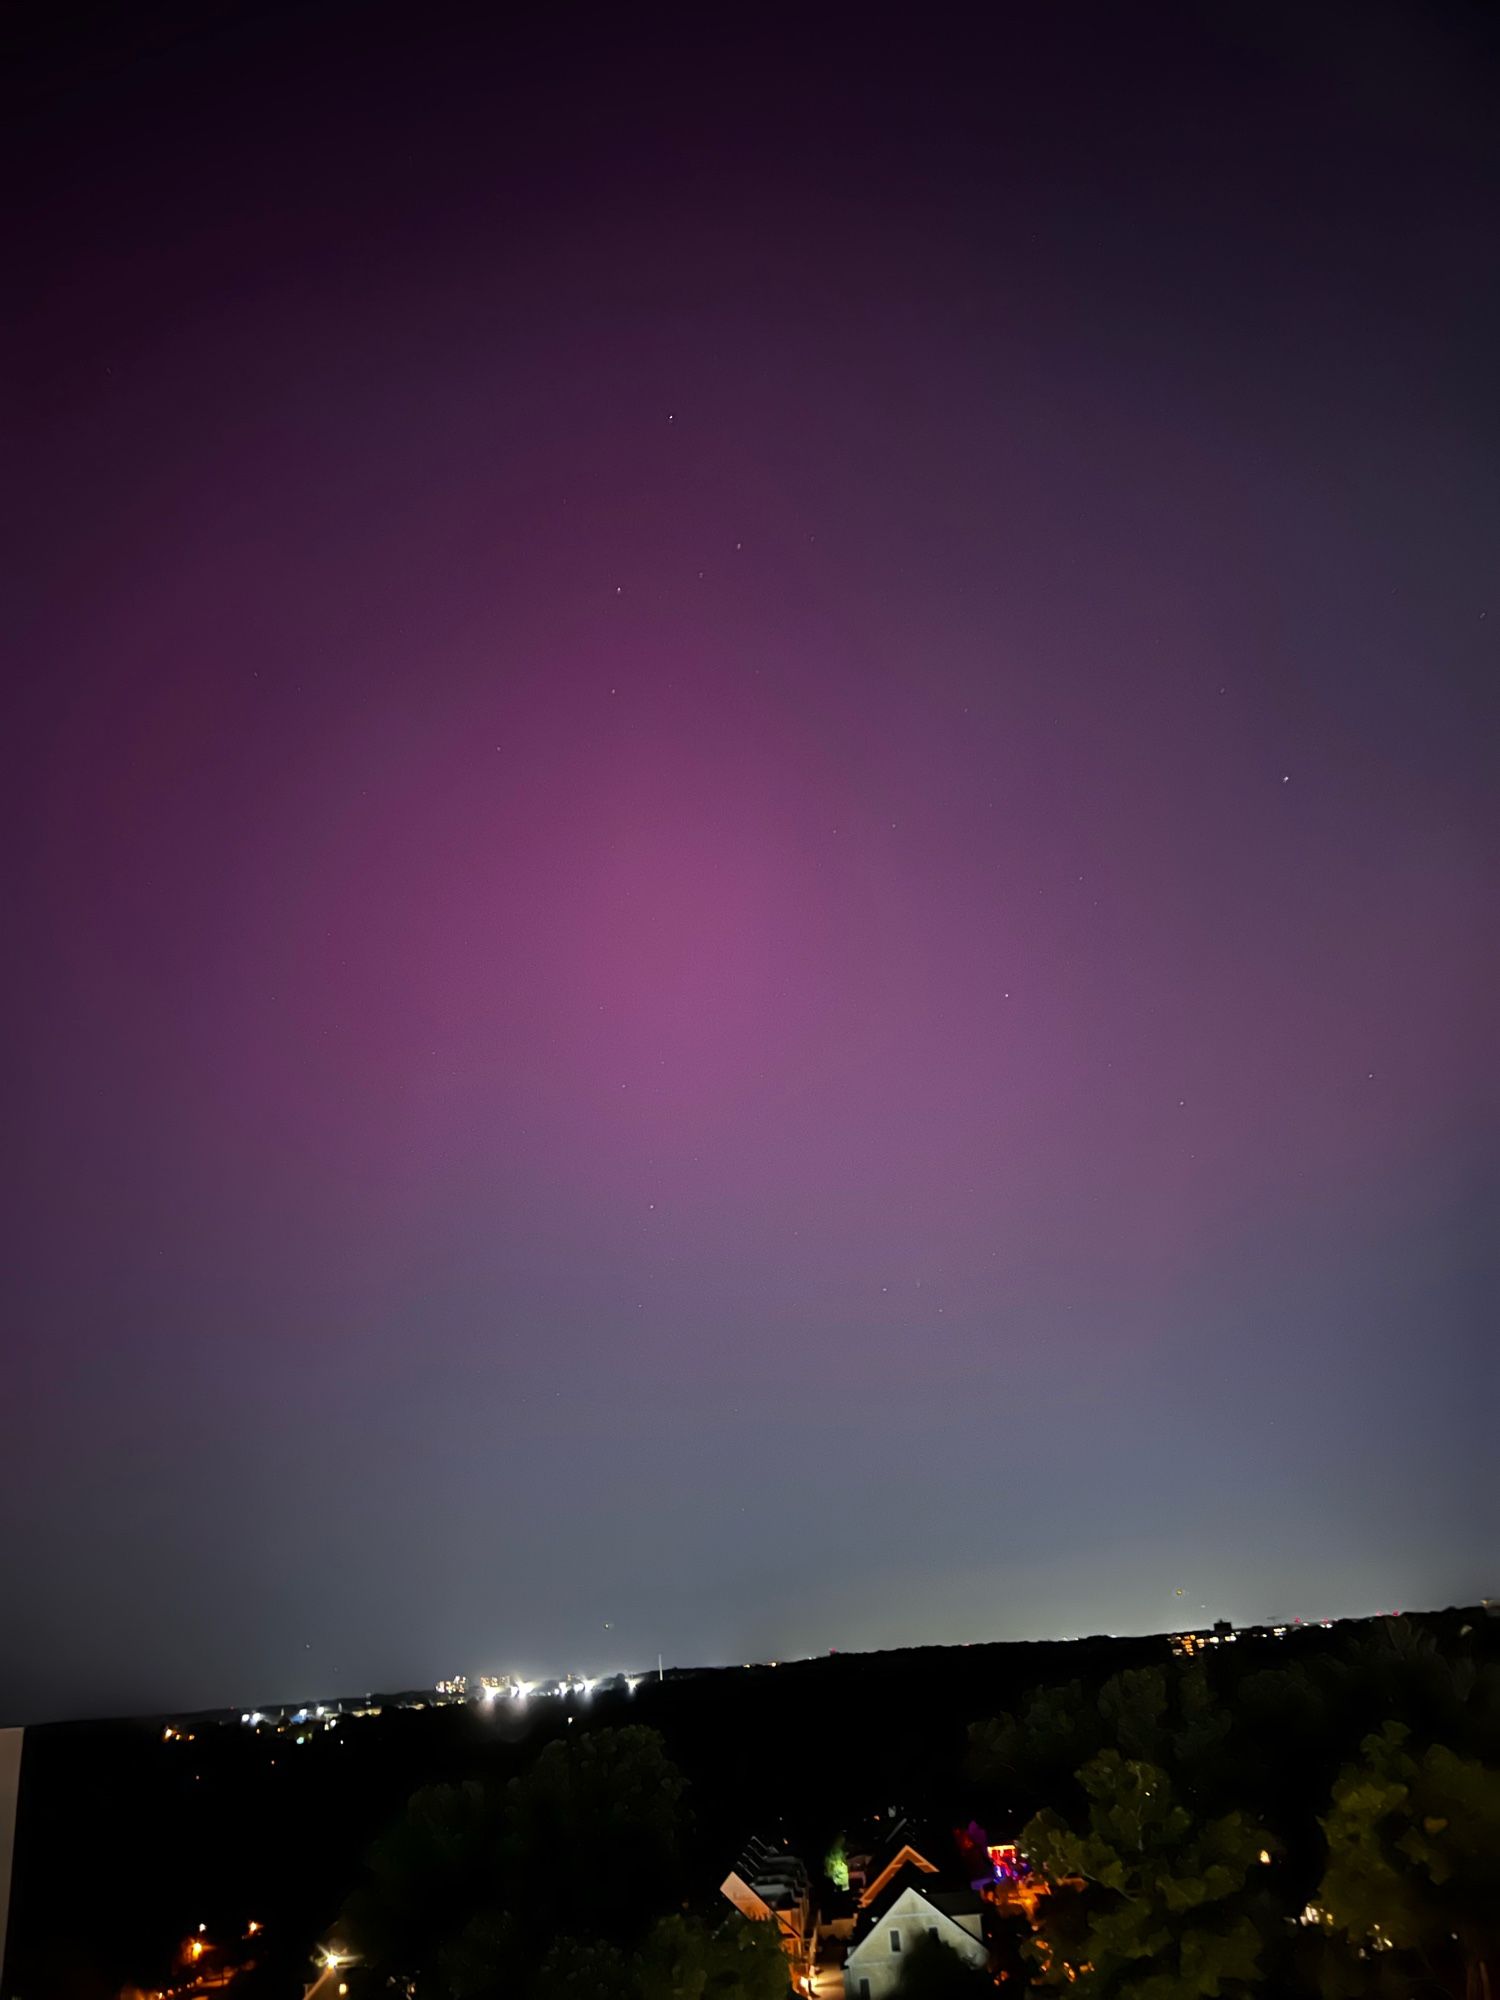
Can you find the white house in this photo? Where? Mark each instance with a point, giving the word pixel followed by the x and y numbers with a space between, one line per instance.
pixel 874 1963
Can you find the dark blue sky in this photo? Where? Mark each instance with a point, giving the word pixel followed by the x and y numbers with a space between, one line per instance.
pixel 752 813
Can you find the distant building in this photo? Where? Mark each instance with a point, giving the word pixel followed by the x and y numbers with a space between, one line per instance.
pixel 1185 1644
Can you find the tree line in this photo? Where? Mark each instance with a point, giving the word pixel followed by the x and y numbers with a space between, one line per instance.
pixel 569 1882
pixel 1329 1829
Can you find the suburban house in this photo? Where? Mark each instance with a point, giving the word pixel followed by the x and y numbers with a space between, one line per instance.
pixel 912 1906
pixel 969 1898
pixel 768 1884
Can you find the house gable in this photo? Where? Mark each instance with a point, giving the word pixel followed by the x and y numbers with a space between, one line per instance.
pixel 910 1915
pixel 906 1857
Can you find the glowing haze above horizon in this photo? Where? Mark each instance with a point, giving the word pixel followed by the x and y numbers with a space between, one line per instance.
pixel 750 807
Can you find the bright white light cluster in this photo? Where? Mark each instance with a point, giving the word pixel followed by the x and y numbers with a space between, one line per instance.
pixel 313 1719
pixel 509 1687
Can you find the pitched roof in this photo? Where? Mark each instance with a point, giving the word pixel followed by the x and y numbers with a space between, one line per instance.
pixel 905 1857
pixel 948 1906
pixel 768 1881
pixel 944 1891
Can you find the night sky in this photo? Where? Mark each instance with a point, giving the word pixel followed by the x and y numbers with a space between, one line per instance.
pixel 749 788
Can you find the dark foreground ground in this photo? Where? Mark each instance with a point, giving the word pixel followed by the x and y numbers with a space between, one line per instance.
pixel 127 1839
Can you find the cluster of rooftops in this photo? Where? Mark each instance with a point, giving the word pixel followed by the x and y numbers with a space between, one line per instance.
pixel 905 1882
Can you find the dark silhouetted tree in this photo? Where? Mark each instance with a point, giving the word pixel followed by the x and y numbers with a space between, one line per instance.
pixel 579 1970
pixel 683 1959
pixel 592 1836
pixel 474 1893
pixel 933 1970
pixel 1414 1862
pixel 1147 1903
pixel 426 1875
